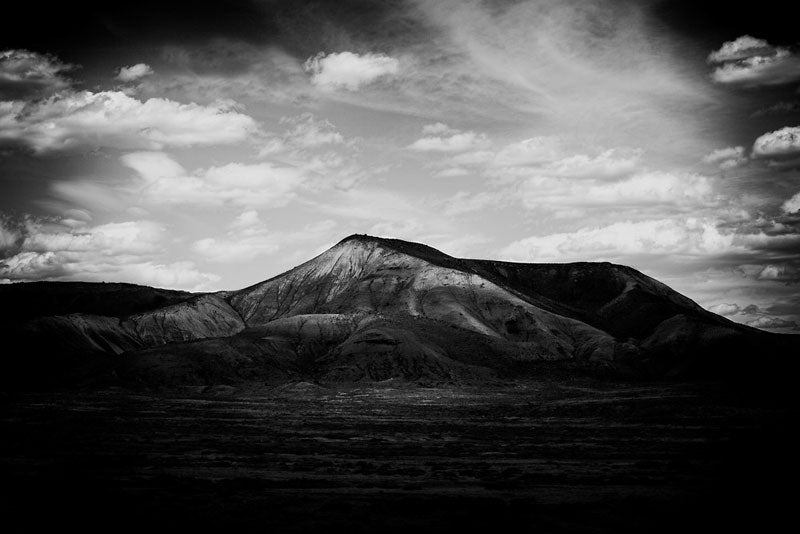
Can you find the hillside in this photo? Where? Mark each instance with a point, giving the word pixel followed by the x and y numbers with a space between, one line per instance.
pixel 371 309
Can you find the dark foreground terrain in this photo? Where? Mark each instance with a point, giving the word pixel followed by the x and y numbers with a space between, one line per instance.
pixel 567 456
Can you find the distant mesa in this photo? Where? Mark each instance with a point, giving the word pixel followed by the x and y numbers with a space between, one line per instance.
pixel 372 309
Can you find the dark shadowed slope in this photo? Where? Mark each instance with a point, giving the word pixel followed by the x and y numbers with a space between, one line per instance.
pixel 41 299
pixel 372 309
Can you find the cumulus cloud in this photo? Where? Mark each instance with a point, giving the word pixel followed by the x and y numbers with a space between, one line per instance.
pixel 446 139
pixel 724 309
pixel 123 252
pixel 740 48
pixel 692 236
pixel 783 142
pixel 111 239
pixel 727 158
pixel 134 72
pixel 792 205
pixel 749 61
pixel 114 119
pixel 26 74
pixel 165 181
pixel 346 70
pixel 778 272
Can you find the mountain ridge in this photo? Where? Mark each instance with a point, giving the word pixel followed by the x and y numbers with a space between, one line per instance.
pixel 372 308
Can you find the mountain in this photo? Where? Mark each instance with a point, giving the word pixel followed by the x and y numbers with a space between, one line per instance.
pixel 371 309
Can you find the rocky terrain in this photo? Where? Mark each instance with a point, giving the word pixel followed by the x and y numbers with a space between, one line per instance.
pixel 372 309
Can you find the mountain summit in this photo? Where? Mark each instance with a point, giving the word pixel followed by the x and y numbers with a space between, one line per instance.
pixel 371 309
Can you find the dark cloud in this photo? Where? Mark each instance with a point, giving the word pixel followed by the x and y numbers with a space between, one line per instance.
pixel 779 108
pixel 25 74
pixel 12 233
pixel 752 309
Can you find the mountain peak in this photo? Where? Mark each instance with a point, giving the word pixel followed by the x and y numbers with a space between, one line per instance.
pixel 411 248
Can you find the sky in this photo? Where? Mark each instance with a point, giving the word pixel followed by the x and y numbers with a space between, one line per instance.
pixel 212 146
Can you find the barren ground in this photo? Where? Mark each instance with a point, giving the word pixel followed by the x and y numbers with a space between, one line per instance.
pixel 566 456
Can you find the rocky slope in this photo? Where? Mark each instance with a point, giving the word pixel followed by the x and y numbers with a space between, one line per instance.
pixel 373 309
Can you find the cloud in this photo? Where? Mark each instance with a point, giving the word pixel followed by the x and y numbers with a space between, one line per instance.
pixel 346 70
pixel 727 158
pixel 724 309
pixel 450 140
pixel 437 128
pixel 783 142
pixel 10 236
pixel 792 205
pixel 122 252
pixel 464 202
pixel 248 238
pixel 680 190
pixel 609 164
pixel 452 172
pixel 752 62
pixel 692 236
pixel 319 150
pixel 778 109
pixel 134 72
pixel 113 119
pixel 744 315
pixel 768 322
pixel 26 74
pixel 165 181
pixel 532 151
pixel 594 69
pixel 544 155
pixel 779 272
pixel 111 239
pixel 304 131
pixel 740 48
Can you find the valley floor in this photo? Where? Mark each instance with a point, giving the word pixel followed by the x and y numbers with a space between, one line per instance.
pixel 558 456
